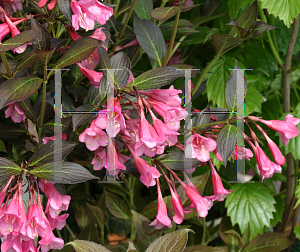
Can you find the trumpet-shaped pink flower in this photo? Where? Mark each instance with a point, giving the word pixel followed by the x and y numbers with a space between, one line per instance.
pixel 93 137
pixel 93 76
pixel 241 152
pixel 287 129
pixel 56 202
pixel 52 138
pixel 219 191
pixel 167 96
pixel 87 11
pixel 8 4
pixel 59 222
pixel 99 159
pixel 162 218
pixel 148 173
pixel 279 158
pixel 15 112
pixel 199 147
pixel 11 244
pixel 51 242
pixel 29 246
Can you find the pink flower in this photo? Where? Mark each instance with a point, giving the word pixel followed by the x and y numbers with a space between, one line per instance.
pixel 241 152
pixel 187 3
pixel 93 76
pixel 202 204
pixel 11 244
pixel 15 112
pixel 167 96
pixel 287 129
pixel 148 173
pixel 8 4
pixel 50 5
pixel 219 191
pixel 279 158
pixel 93 137
pixel 113 168
pixel 29 246
pixel 49 139
pixel 199 147
pixel 162 218
pixel 59 222
pixel 99 159
pixel 132 43
pixel 51 242
pixel 87 11
pixel 56 202
pixel 177 207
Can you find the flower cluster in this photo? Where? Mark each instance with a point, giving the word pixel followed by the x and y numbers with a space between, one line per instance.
pixel 19 229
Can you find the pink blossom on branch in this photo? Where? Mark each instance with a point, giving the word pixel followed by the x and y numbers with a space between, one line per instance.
pixel 15 112
pixel 52 138
pixel 87 11
pixel 50 5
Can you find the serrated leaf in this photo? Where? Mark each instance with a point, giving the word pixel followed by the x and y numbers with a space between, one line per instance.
pixel 259 27
pixel 175 242
pixel 163 13
pixel 18 88
pixel 253 101
pixel 26 106
pixel 286 10
pixel 45 154
pixel 11 132
pixel 116 206
pixel 43 40
pixel 87 246
pixel 232 87
pixel 79 50
pixel 200 183
pixel 279 206
pixel 176 160
pixel 65 8
pixel 250 204
pixel 121 61
pixel 156 78
pixel 2 146
pixel 269 242
pixel 44 56
pixel 8 169
pixel 143 8
pixel 18 40
pixel 224 43
pixel 248 16
pixel 150 38
pixel 79 119
pixel 67 173
pixel 236 5
pixel 27 61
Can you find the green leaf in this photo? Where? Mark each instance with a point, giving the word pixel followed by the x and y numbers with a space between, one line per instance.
pixel 163 13
pixel 297 231
pixel 45 154
pixel 200 183
pixel 224 43
pixel 226 141
pixel 150 38
pixel 8 169
pixel 215 85
pixel 104 61
pixel 176 160
pixel 279 207
pixel 116 206
pixel 121 61
pixel 156 78
pixel 259 27
pixel 253 101
pixel 79 50
pixel 18 40
pixel 236 5
pixel 26 106
pixel 175 242
pixel 203 248
pixel 79 119
pixel 286 10
pixel 44 56
pixel 11 132
pixel 18 88
pixel 143 8
pixel 67 173
pixel 87 246
pixel 92 96
pixel 27 61
pixel 231 88
pixel 96 215
pixel 203 19
pixel 250 204
pixel 65 8
pixel 81 217
pixel 43 40
pixel 270 242
pixel 2 146
pixel 248 16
